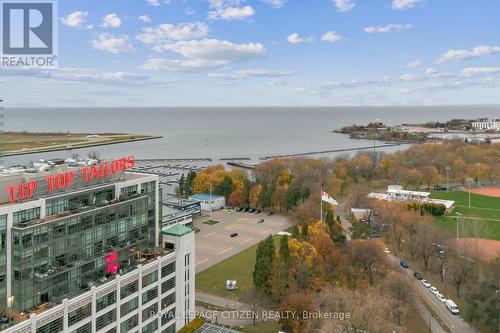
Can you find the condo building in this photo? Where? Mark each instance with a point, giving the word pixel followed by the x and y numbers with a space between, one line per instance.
pixel 82 250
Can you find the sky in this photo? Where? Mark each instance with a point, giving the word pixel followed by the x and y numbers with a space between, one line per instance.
pixel 267 53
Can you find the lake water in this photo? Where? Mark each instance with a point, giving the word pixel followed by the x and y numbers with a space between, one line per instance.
pixel 223 132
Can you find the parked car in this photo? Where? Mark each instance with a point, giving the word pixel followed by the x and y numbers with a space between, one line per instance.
pixel 434 290
pixel 257 211
pixel 239 209
pixel 270 213
pixel 417 276
pixel 246 209
pixel 234 234
pixel 386 250
pixel 426 283
pixel 4 320
pixel 452 307
pixel 261 221
pixel 251 210
pixel 404 264
pixel 441 297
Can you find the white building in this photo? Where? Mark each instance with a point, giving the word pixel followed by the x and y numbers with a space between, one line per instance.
pixel 209 202
pixel 487 124
pixel 83 251
pixel 396 193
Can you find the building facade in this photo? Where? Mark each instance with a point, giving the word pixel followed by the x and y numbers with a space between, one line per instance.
pixel 81 251
pixel 486 124
pixel 209 201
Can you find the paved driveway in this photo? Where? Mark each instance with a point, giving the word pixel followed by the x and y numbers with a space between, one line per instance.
pixel 214 243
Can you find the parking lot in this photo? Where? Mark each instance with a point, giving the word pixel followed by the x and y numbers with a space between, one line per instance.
pixel 214 242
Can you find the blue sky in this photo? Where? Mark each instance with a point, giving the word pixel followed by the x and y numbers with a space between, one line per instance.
pixel 268 52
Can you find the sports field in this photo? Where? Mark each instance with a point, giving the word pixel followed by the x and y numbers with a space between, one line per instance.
pixel 481 219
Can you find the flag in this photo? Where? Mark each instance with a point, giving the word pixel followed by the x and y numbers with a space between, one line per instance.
pixel 327 198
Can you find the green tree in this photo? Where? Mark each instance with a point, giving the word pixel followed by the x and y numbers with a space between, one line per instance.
pixel 296 231
pixel 305 231
pixel 284 249
pixel 263 269
pixel 182 182
pixel 225 188
pixel 188 185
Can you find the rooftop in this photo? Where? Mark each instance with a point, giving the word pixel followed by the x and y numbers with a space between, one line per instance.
pixel 205 196
pixel 177 230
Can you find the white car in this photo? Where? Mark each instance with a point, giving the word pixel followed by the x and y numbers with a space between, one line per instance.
pixel 441 297
pixel 452 307
pixel 386 250
pixel 434 290
pixel 426 283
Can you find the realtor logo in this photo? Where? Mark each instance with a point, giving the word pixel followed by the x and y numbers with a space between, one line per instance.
pixel 29 33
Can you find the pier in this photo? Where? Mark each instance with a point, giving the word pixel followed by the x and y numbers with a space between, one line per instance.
pixel 330 151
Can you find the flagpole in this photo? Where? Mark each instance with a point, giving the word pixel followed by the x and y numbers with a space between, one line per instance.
pixel 321 205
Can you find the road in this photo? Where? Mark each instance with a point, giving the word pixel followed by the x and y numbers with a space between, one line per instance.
pixel 345 223
pixel 455 323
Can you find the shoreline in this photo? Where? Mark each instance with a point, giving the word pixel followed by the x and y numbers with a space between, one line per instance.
pixel 82 146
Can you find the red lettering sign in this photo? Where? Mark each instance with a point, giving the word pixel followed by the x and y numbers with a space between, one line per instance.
pixel 65 180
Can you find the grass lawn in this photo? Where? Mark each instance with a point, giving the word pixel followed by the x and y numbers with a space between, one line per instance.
pixel 483 207
pixel 211 222
pixel 238 267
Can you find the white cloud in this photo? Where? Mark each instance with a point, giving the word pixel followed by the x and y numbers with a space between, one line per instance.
pixel 332 37
pixel 232 13
pixel 475 71
pixel 154 2
pixel 344 5
pixel 169 32
pixel 68 74
pixel 409 77
pixel 296 39
pixel 477 52
pixel 275 3
pixel 404 4
pixel 414 64
pixel 75 19
pixel 144 19
pixel 205 54
pixel 116 45
pixel 111 21
pixel 431 71
pixel 243 74
pixel 387 28
pixel 229 10
pixel 279 82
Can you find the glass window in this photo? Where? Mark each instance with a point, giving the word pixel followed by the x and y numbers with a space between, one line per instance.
pixel 26 215
pixel 105 301
pixel 167 285
pixel 79 314
pixel 54 326
pixel 105 319
pixel 150 278
pixel 149 312
pixel 129 306
pixel 129 289
pixel 168 269
pixel 130 323
pixel 149 295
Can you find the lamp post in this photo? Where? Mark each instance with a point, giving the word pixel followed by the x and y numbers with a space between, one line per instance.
pixel 448 168
pixel 477 172
pixel 210 199
pixel 496 294
pixel 456 241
